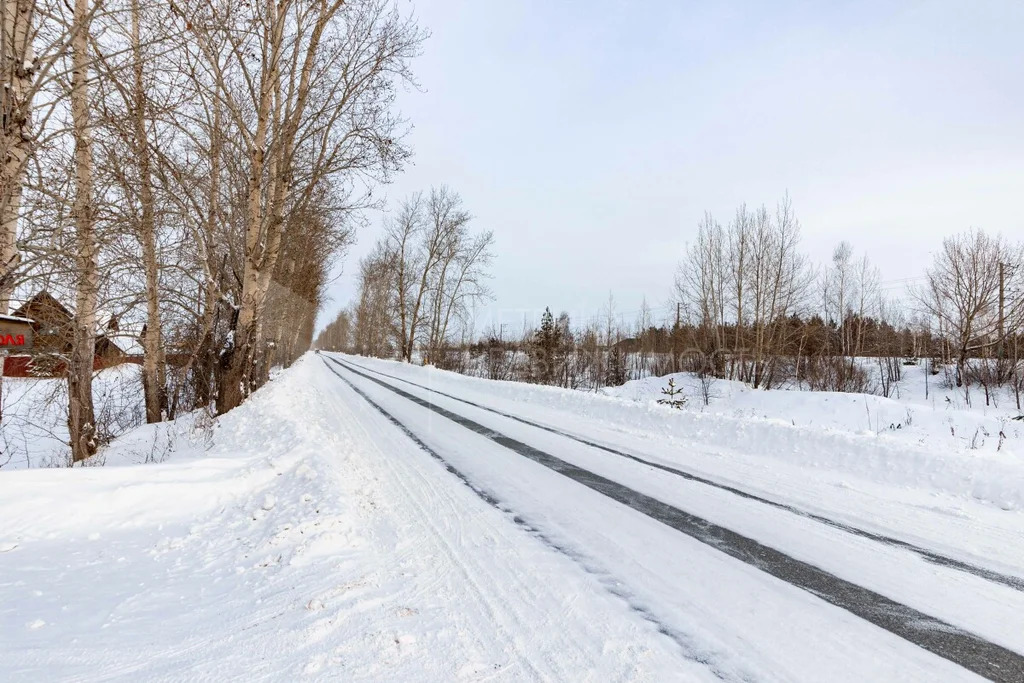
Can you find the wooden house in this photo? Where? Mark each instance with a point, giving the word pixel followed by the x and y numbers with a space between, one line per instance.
pixel 51 326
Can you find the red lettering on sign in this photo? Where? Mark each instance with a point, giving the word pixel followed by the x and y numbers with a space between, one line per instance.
pixel 12 340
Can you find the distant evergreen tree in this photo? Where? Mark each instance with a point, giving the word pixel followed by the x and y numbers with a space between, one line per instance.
pixel 547 325
pixel 544 348
pixel 616 371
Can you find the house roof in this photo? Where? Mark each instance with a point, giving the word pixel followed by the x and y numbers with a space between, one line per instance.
pixel 45 300
pixel 104 343
pixel 127 341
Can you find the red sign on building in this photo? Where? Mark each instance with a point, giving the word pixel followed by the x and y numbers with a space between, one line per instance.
pixel 15 334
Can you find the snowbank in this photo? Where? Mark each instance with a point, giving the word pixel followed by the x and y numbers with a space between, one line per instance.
pixel 149 572
pixel 921 410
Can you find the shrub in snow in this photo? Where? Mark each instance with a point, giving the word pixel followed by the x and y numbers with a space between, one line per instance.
pixel 836 373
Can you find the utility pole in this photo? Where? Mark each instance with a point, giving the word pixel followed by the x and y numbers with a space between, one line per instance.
pixel 1002 300
pixel 675 336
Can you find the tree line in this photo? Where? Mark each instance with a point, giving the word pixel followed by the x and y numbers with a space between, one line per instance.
pixel 194 167
pixel 745 285
pixel 749 306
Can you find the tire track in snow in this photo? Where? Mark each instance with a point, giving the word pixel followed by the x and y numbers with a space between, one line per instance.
pixel 469 580
pixel 938 637
pixel 690 649
pixel 1015 582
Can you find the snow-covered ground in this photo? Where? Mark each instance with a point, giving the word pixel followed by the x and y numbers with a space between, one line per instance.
pixel 923 410
pixel 35 413
pixel 307 536
pixel 652 566
pixel 302 543
pixel 934 446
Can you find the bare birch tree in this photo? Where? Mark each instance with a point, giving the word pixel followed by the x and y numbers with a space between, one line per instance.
pixel 739 238
pixel 127 100
pixel 437 270
pixel 962 293
pixel 154 368
pixel 752 276
pixel 702 285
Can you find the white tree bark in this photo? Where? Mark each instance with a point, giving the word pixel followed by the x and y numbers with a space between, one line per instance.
pixel 15 138
pixel 154 368
pixel 81 414
pixel 15 107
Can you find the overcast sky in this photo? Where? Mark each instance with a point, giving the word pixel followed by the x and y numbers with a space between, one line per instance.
pixel 592 136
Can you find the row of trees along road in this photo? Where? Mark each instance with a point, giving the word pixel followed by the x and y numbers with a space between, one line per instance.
pixel 197 165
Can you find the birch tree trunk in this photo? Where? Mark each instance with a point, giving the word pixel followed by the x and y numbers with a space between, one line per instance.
pixel 153 368
pixel 15 145
pixel 81 415
pixel 234 385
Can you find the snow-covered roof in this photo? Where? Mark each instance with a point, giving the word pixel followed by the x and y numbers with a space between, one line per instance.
pixel 126 340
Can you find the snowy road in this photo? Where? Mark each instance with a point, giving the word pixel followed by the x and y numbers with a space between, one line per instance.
pixel 746 585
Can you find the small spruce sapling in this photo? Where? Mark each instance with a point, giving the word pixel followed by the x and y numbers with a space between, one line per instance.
pixel 673 395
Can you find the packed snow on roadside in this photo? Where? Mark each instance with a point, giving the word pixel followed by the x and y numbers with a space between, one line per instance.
pixel 277 544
